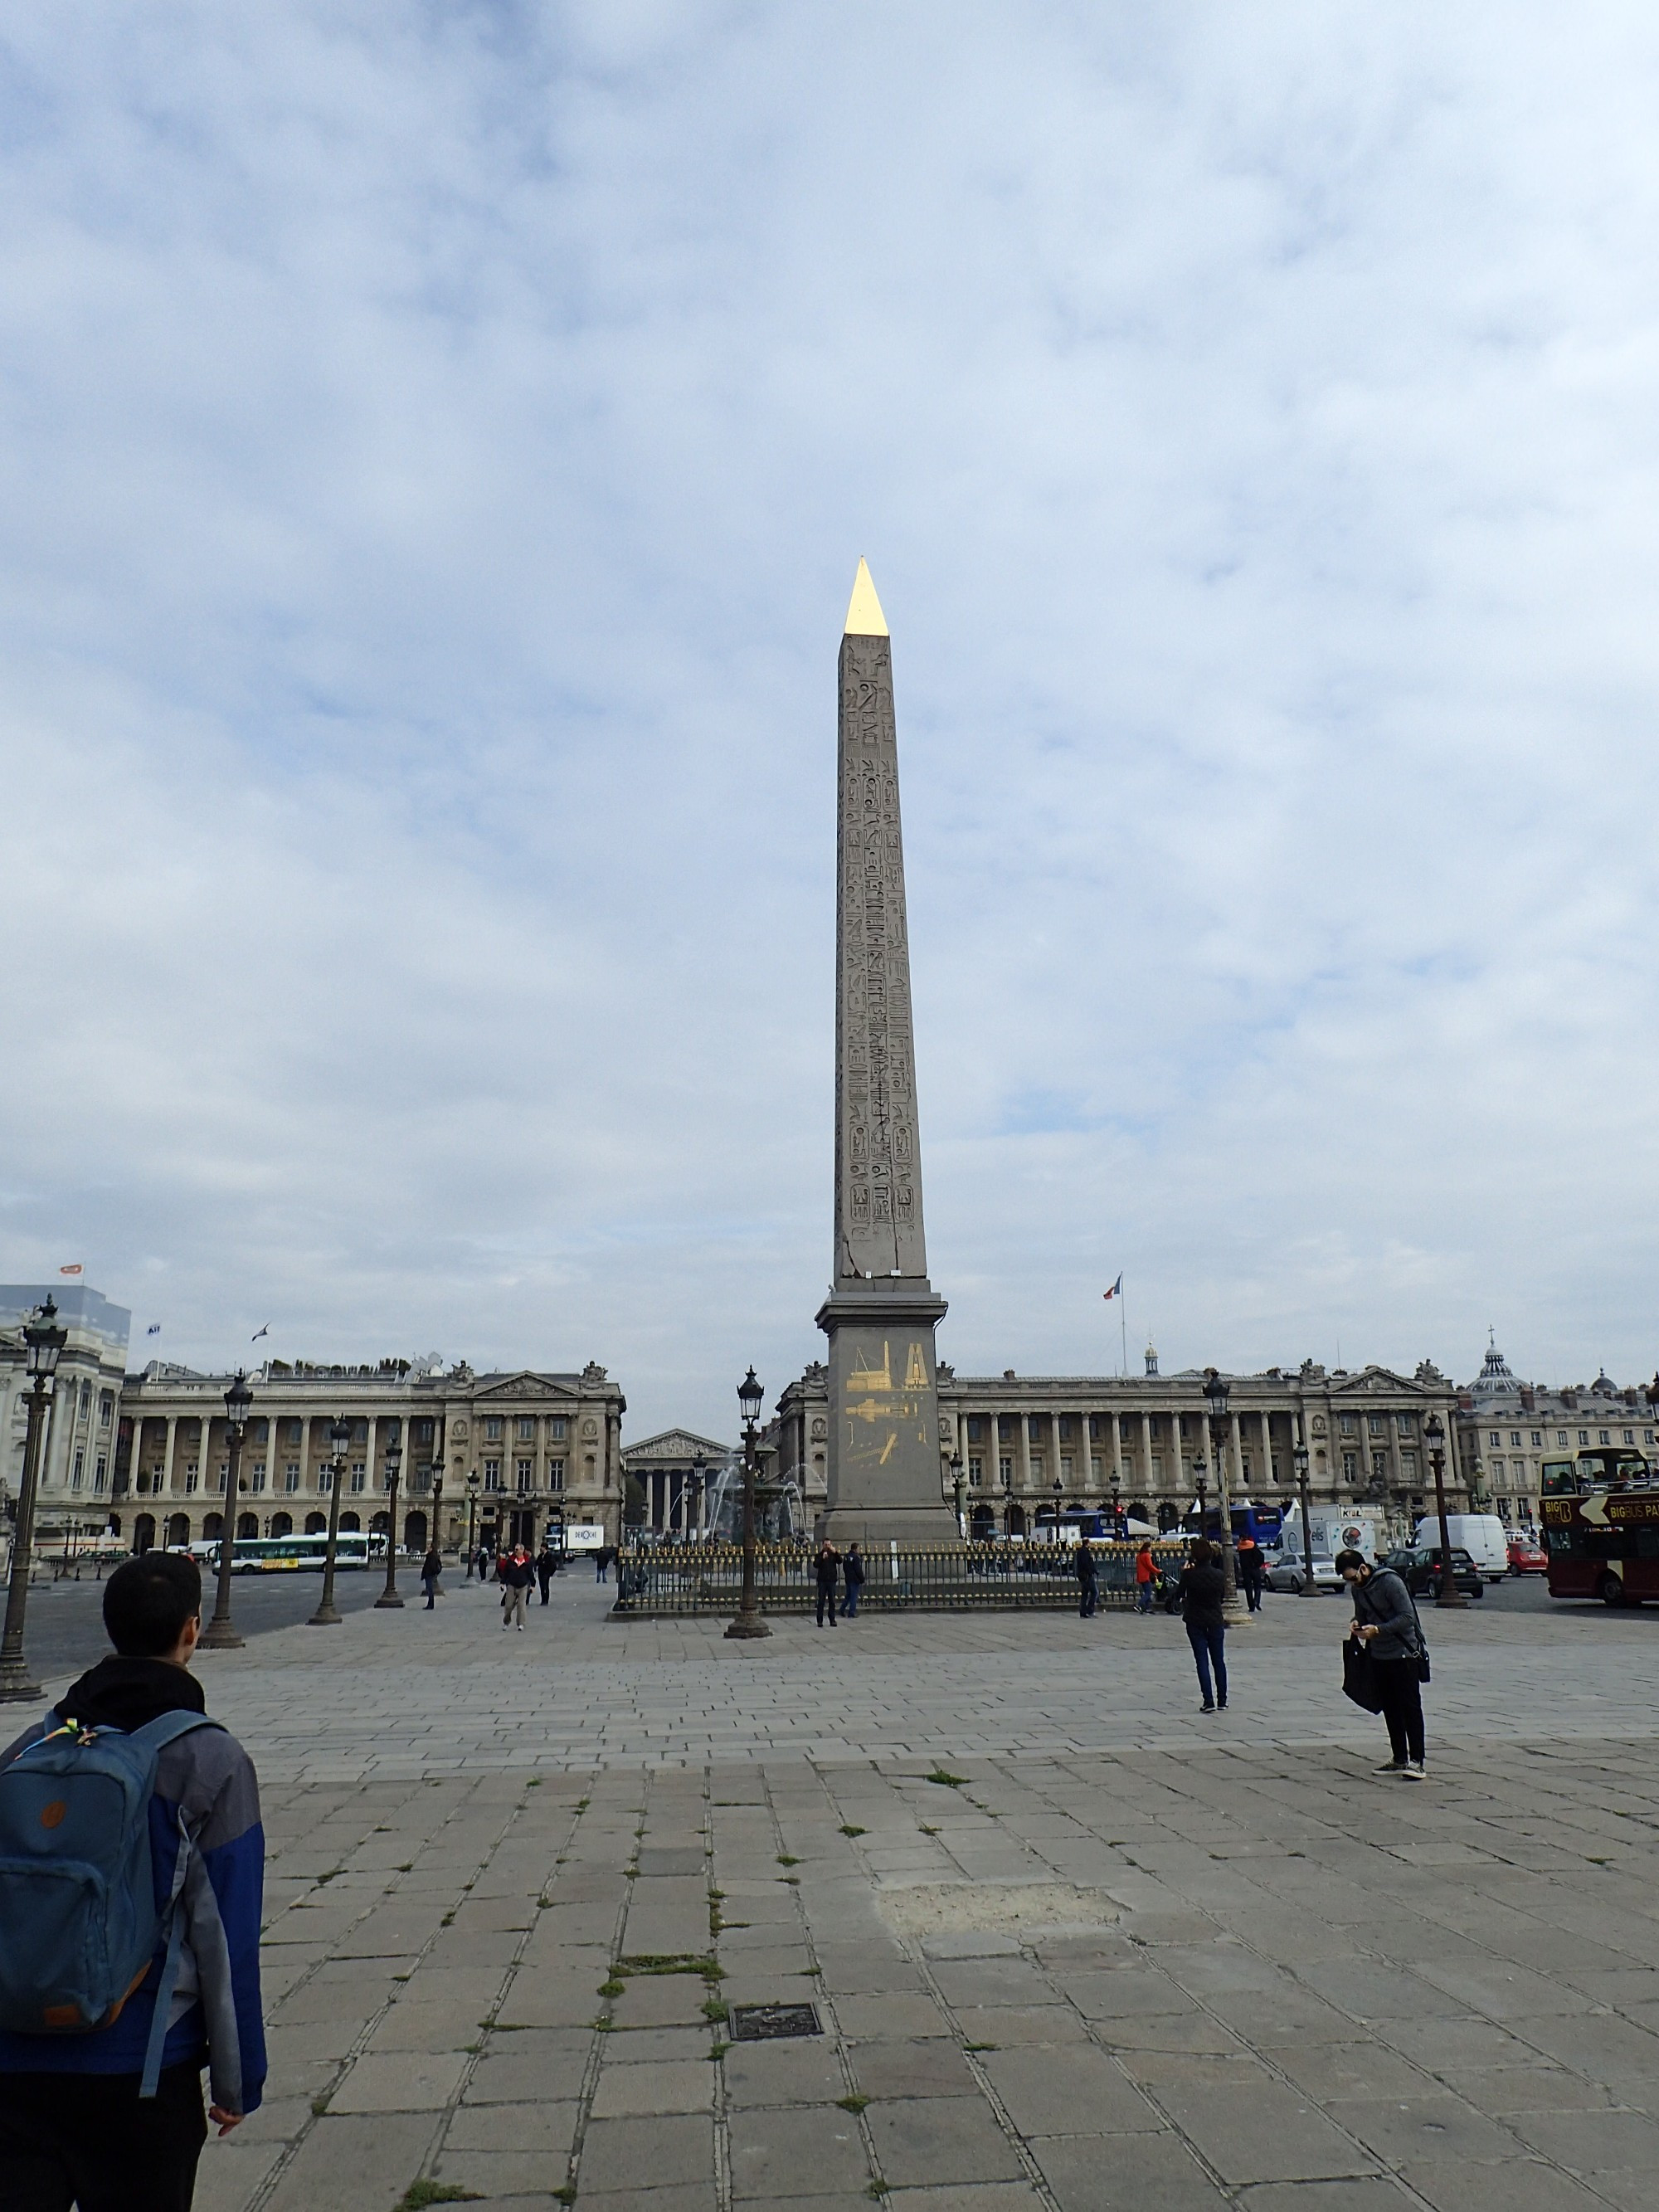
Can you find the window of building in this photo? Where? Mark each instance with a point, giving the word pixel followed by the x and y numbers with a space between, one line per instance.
pixel 521 1469
pixel 1350 1467
pixel 1630 1436
pixel 555 1428
pixel 192 1482
pixel 106 1410
pixel 1405 1422
pixel 1537 1438
pixel 1493 1438
pixel 1125 1427
pixel 1036 1466
pixel 1417 1501
pixel 290 1479
pixel 422 1432
pixel 1560 1435
pixel 360 1432
pixel 1379 1467
pixel 556 1474
pixel 1514 1437
pixel 256 1479
pixel 1503 1509
pixel 1377 1424
pixel 493 1427
pixel 100 1472
pixel 325 1479
pixel 527 1428
pixel 1062 1428
pixel 1647 1435
pixel 359 1475
pixel 1005 1472
pixel 258 1432
pixel 86 1399
pixel 296 1432
pixel 1408 1465
pixel 1345 1423
pixel 975 1471
pixel 976 1429
pixel 1583 1437
pixel 1094 1469
pixel 77 1475
pixel 1154 1429
pixel 1603 1437
pixel 492 1474
pixel 1066 1467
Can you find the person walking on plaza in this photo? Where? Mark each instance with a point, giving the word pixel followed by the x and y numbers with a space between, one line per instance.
pixel 109 2117
pixel 1250 1564
pixel 1088 1580
pixel 431 1568
pixel 1203 1589
pixel 517 1574
pixel 547 1565
pixel 1146 1577
pixel 602 1564
pixel 1386 1626
pixel 829 1565
pixel 851 1573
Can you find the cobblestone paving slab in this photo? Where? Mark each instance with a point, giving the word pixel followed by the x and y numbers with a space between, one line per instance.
pixel 504 1967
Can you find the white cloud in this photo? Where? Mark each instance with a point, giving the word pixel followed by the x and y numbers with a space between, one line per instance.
pixel 434 444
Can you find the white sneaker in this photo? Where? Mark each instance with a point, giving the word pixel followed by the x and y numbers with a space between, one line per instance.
pixel 1413 1770
pixel 1392 1766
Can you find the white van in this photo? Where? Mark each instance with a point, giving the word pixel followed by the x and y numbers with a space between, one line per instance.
pixel 1482 1536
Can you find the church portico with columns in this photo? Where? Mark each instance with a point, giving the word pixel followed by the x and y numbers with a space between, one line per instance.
pixel 1132 1440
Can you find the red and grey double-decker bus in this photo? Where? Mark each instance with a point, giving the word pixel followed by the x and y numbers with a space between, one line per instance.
pixel 1600 1515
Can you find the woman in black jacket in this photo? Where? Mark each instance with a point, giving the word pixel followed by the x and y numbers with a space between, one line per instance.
pixel 1385 1621
pixel 1203 1586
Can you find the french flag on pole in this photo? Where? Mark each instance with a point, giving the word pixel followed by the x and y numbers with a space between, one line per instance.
pixel 1116 1291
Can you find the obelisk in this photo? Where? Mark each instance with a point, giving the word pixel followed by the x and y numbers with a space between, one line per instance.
pixel 885 1478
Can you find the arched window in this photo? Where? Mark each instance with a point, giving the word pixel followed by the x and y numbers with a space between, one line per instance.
pixel 281 1524
pixel 143 1533
pixel 211 1524
pixel 1016 1519
pixel 984 1524
pixel 415 1532
pixel 316 1524
pixel 179 1530
pixel 247 1525
pixel 380 1522
pixel 350 1523
pixel 1168 1517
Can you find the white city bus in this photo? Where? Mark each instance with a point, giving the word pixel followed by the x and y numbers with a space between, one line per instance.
pixel 289 1555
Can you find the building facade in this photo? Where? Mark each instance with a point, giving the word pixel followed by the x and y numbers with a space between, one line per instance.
pixel 145 1456
pixel 1506 1430
pixel 1023 1440
pixel 677 1472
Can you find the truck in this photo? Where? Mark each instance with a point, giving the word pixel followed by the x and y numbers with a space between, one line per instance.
pixel 1482 1536
pixel 1333 1530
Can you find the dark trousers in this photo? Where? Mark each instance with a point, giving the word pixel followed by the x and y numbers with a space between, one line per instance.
pixel 89 2140
pixel 429 1584
pixel 849 1604
pixel 1252 1593
pixel 1143 1597
pixel 1210 1649
pixel 1088 1598
pixel 1402 1707
pixel 545 1581
pixel 827 1596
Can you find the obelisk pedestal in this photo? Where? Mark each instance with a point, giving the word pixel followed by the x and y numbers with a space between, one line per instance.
pixel 885 1482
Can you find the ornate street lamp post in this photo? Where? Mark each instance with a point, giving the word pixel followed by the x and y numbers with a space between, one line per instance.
pixel 46 1338
pixel 1434 1432
pixel 339 1435
pixel 1300 1457
pixel 748 1621
pixel 698 1480
pixel 956 1485
pixel 1200 1475
pixel 1217 1393
pixel 220 1635
pixel 394 1461
pixel 472 1522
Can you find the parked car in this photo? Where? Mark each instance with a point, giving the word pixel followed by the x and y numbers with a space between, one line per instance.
pixel 1288 1571
pixel 1419 1570
pixel 1526 1555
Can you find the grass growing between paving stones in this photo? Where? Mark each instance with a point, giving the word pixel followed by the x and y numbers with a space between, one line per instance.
pixel 671 1962
pixel 713 2009
pixel 947 1781
pixel 847 1829
pixel 419 2194
pixel 851 2104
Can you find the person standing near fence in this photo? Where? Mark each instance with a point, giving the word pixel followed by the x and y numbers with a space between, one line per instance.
pixel 1385 1623
pixel 1203 1586
pixel 853 1576
pixel 828 1565
pixel 1088 1580
pixel 1146 1577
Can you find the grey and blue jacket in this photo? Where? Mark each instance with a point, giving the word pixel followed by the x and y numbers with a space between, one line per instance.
pixel 1383 1600
pixel 205 1786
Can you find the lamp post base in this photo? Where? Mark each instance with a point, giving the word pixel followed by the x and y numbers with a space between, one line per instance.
pixel 388 1605
pixel 219 1636
pixel 1234 1611
pixel 748 1624
pixel 325 1617
pixel 1450 1598
pixel 18 1686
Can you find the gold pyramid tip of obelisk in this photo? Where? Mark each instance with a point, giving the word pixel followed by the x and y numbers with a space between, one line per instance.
pixel 864 616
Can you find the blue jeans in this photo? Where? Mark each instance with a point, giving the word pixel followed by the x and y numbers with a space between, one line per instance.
pixel 1143 1597
pixel 1210 1648
pixel 850 1602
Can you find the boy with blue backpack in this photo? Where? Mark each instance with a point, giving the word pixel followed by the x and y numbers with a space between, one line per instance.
pixel 131 1874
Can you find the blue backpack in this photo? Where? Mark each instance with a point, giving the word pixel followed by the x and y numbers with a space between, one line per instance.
pixel 78 1922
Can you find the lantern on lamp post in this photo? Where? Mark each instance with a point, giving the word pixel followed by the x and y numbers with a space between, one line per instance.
pixel 219 1634
pixel 748 1621
pixel 339 1435
pixel 44 1337
pixel 394 1461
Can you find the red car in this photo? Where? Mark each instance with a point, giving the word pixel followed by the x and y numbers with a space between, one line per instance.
pixel 1526 1557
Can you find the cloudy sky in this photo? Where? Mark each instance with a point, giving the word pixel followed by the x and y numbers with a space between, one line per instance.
pixel 436 444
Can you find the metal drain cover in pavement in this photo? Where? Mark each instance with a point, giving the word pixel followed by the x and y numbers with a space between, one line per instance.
pixel 762 2023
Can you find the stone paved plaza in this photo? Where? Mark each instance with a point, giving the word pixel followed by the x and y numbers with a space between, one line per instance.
pixel 1125 1955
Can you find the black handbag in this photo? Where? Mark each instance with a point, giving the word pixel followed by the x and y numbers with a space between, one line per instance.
pixel 1421 1660
pixel 1359 1676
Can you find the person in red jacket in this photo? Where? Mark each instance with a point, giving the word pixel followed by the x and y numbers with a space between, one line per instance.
pixel 1145 1578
